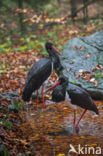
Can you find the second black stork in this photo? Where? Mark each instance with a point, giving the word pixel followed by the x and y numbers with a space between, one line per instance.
pixel 75 97
pixel 40 72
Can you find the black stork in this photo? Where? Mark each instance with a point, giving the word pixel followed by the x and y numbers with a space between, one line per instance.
pixel 40 72
pixel 59 92
pixel 75 97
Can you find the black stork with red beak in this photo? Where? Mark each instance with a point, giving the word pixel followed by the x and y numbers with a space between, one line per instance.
pixel 75 97
pixel 40 72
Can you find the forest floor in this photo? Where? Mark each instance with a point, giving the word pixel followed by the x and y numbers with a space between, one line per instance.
pixel 38 133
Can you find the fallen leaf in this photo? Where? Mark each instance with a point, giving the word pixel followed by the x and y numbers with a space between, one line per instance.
pixel 92 79
pixel 75 47
pixel 81 48
pixel 95 83
pixel 67 69
pixel 87 56
pixel 99 66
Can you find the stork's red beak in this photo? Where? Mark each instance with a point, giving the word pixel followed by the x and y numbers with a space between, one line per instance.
pixel 56 50
pixel 51 88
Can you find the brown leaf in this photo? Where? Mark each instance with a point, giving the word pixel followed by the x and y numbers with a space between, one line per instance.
pixel 23 142
pixel 75 47
pixel 86 75
pixel 81 48
pixel 97 68
pixel 95 83
pixel 67 69
pixel 87 55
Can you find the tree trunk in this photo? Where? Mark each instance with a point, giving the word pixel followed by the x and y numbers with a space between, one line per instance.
pixel 73 8
pixel 22 25
pixel 85 10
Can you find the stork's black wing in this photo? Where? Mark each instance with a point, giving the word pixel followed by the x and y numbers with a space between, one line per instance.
pixel 39 72
pixel 81 98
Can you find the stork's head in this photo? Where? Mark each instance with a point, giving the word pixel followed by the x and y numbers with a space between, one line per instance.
pixel 63 80
pixel 51 49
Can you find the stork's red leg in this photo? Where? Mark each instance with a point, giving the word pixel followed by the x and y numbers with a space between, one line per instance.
pixel 74 122
pixel 43 97
pixel 37 100
pixel 77 125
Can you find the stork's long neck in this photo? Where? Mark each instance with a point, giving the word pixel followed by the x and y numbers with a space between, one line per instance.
pixel 54 57
pixel 58 65
pixel 56 60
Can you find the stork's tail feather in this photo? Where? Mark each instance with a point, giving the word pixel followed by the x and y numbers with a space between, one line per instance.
pixel 27 93
pixel 25 97
pixel 95 109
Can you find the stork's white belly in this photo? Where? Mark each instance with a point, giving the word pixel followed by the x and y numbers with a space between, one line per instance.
pixel 68 102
